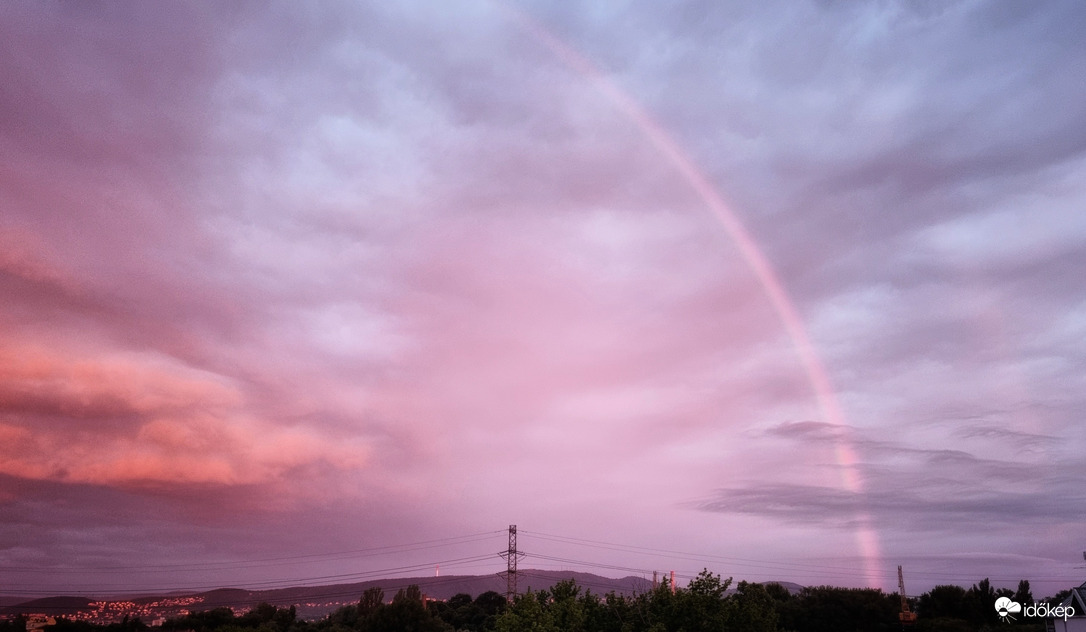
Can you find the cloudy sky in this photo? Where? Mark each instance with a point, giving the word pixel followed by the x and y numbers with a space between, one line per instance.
pixel 295 293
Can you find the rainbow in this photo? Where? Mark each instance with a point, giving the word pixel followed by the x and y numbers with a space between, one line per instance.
pixel 866 537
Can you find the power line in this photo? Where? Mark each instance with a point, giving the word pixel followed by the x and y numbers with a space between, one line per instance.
pixel 274 561
pixel 672 554
pixel 796 570
pixel 302 582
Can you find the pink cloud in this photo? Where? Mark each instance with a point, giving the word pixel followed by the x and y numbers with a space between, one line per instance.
pixel 128 419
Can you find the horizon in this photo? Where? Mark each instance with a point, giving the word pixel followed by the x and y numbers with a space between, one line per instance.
pixel 299 292
pixel 427 581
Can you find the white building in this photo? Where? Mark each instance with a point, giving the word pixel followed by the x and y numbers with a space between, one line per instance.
pixel 1076 623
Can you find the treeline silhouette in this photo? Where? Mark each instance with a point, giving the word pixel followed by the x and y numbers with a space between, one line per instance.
pixel 704 605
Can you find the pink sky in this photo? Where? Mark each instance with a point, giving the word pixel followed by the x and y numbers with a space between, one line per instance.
pixel 309 280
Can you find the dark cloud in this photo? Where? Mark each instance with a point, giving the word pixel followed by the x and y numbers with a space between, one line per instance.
pixel 897 509
pixel 922 490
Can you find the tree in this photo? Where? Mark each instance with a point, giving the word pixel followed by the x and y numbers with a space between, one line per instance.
pixel 526 614
pixel 493 603
pixel 406 613
pixel 701 606
pixel 202 621
pixel 752 609
pixel 832 609
pixel 567 611
pixel 708 585
pixel 411 594
pixel 459 600
pixel 778 592
pixel 1023 595
pixel 16 624
pixel 461 613
pixel 981 601
pixel 1059 597
pixel 946 601
pixel 372 599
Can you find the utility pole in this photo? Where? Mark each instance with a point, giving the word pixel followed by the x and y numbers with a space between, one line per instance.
pixel 511 556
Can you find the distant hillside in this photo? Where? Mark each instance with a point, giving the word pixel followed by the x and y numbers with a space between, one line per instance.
pixel 317 601
pixel 49 605
pixel 434 587
pixel 791 587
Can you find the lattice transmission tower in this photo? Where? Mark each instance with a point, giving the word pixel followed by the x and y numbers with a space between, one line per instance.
pixel 511 555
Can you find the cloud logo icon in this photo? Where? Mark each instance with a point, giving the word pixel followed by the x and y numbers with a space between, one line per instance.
pixel 1005 608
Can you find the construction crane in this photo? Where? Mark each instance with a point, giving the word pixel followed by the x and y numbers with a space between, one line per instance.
pixel 906 616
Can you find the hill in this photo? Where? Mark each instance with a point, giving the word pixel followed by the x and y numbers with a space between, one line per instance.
pixel 318 600
pixel 49 605
pixel 791 587
pixel 314 602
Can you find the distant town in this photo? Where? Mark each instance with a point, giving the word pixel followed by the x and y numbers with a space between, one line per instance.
pixel 561 601
pixel 153 613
